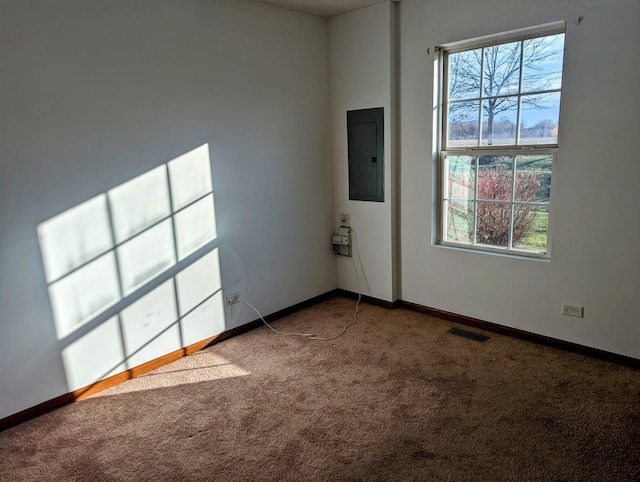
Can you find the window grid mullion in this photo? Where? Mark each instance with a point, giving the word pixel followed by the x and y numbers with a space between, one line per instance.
pixel 519 113
pixel 511 219
pixel 480 99
pixel 513 198
pixel 444 98
pixel 502 96
pixel 475 202
pixel 444 213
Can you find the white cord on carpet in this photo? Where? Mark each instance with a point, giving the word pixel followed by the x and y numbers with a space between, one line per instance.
pixel 313 336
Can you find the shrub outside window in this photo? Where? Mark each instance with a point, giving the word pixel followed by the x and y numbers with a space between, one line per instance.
pixel 500 107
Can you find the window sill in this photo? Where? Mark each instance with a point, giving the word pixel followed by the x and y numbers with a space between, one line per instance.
pixel 522 255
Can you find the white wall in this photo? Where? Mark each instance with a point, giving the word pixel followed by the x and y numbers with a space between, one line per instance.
pixel 595 258
pixel 96 93
pixel 361 56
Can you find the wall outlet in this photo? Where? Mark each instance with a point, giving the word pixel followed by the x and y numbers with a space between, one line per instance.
pixel 233 298
pixel 573 310
pixel 345 220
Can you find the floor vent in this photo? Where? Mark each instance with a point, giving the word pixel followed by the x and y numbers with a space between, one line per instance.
pixel 468 334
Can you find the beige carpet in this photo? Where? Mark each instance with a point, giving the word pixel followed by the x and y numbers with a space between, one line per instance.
pixel 395 398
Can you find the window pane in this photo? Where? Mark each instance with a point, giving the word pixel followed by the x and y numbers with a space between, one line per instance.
pixel 495 177
pixel 459 220
pixel 533 178
pixel 464 75
pixel 493 224
pixel 461 174
pixel 499 117
pixel 501 69
pixel 539 118
pixel 463 124
pixel 543 63
pixel 530 226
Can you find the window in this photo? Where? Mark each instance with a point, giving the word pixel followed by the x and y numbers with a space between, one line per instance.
pixel 499 136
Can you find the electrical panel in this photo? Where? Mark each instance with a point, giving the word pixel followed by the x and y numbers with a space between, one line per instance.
pixel 365 138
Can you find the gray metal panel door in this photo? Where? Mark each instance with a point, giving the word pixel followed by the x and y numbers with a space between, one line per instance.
pixel 365 130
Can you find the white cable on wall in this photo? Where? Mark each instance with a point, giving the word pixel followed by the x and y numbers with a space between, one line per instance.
pixel 313 336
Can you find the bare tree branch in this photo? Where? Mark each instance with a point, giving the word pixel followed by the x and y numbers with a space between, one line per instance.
pixel 496 70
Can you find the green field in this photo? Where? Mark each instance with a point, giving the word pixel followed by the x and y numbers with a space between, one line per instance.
pixel 537 238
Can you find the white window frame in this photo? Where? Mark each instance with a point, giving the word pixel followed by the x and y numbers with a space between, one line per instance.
pixel 443 150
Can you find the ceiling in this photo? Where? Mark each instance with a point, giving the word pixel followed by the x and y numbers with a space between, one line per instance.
pixel 321 8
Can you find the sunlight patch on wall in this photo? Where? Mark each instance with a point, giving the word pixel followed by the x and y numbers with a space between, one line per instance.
pixel 84 294
pixel 140 220
pixel 195 226
pixel 149 325
pixel 105 250
pixel 75 237
pixel 149 193
pixel 197 281
pixel 204 320
pixel 146 256
pixel 96 355
pixel 186 309
pixel 190 177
